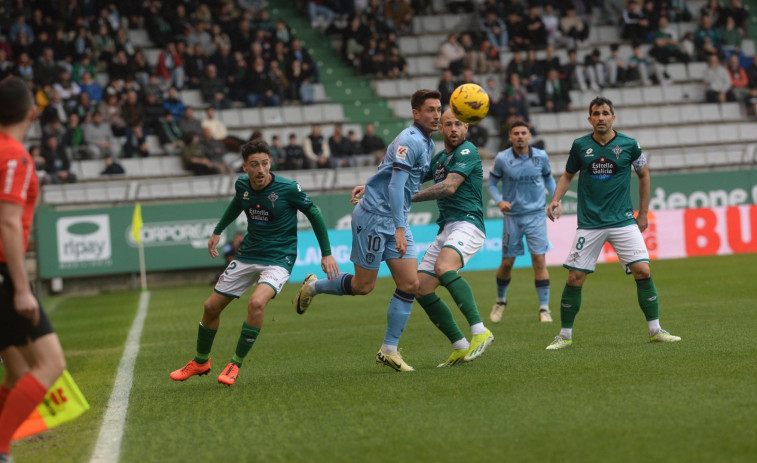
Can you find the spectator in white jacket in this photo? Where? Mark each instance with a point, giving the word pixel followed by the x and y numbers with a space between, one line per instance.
pixel 717 81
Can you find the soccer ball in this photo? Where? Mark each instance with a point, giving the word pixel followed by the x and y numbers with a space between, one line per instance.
pixel 469 103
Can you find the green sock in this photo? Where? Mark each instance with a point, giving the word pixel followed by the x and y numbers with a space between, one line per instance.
pixel 441 316
pixel 244 344
pixel 570 304
pixel 646 291
pixel 462 293
pixel 205 337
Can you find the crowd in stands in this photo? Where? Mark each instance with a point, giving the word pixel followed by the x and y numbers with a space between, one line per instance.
pixel 100 98
pixel 522 28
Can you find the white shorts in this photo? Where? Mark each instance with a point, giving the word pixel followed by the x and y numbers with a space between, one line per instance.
pixel 463 237
pixel 587 244
pixel 240 276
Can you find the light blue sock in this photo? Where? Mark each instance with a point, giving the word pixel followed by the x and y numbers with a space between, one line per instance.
pixel 502 286
pixel 542 290
pixel 338 287
pixel 397 316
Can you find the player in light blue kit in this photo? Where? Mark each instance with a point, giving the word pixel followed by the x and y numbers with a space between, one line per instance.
pixel 525 173
pixel 380 231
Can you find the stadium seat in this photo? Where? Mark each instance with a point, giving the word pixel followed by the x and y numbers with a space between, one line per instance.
pixel 728 133
pixel 333 112
pixel 748 131
pixel 319 93
pixel 652 95
pixel 747 47
pixel 613 94
pixel 632 96
pixel 688 135
pixel 154 147
pixel 430 44
pixel 708 135
pixel 409 45
pixel 432 24
pixel 312 114
pixel 690 113
pixel 668 114
pixel 677 71
pixel 292 115
pixel 568 121
pixel 151 56
pixel 139 38
pixel 406 87
pixel 696 159
pixel 271 116
pixel 673 93
pixel 730 112
pixel 670 161
pixel 232 118
pixel 696 70
pixel 647 138
pixel 250 117
pixel 192 98
pixel 627 117
pixel 386 88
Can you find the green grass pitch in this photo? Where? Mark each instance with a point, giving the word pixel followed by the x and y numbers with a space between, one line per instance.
pixel 311 392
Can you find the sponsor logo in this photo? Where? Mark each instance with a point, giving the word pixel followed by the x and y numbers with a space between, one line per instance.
pixel 84 240
pixel 359 229
pixel 564 305
pixel 460 243
pixel 589 151
pixel 465 151
pixel 194 233
pixel 602 168
pixel 653 298
pixel 246 195
pixel 402 152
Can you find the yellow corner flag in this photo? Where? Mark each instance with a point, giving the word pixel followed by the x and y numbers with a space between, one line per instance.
pixel 136 223
pixel 63 402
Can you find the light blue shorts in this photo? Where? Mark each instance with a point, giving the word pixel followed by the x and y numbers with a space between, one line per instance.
pixel 373 239
pixel 533 226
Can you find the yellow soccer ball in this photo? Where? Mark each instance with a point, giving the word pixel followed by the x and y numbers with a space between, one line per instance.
pixel 469 103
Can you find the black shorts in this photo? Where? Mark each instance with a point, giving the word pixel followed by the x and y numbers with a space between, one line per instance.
pixel 16 330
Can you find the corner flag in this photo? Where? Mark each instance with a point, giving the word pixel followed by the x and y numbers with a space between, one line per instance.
pixel 136 223
pixel 63 402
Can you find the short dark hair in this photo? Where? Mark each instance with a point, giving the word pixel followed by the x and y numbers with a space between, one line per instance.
pixel 518 124
pixel 599 101
pixel 254 147
pixel 16 100
pixel 420 97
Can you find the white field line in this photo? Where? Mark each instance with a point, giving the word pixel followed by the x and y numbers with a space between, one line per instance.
pixel 108 446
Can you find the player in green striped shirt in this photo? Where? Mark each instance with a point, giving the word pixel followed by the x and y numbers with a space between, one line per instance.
pixel 265 258
pixel 605 214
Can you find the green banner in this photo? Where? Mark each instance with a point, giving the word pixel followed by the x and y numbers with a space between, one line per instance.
pixel 99 241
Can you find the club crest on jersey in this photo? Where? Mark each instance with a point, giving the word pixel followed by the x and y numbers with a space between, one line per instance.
pixel 402 152
pixel 617 150
pixel 273 197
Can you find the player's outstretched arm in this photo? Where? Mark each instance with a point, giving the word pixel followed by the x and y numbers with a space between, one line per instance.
pixel 448 187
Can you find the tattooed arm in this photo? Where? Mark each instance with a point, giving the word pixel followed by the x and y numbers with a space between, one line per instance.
pixel 441 189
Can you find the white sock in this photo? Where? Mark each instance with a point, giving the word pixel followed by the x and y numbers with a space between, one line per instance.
pixel 501 300
pixel 310 288
pixel 566 333
pixel 461 344
pixel 478 328
pixel 388 348
pixel 544 308
pixel 654 326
